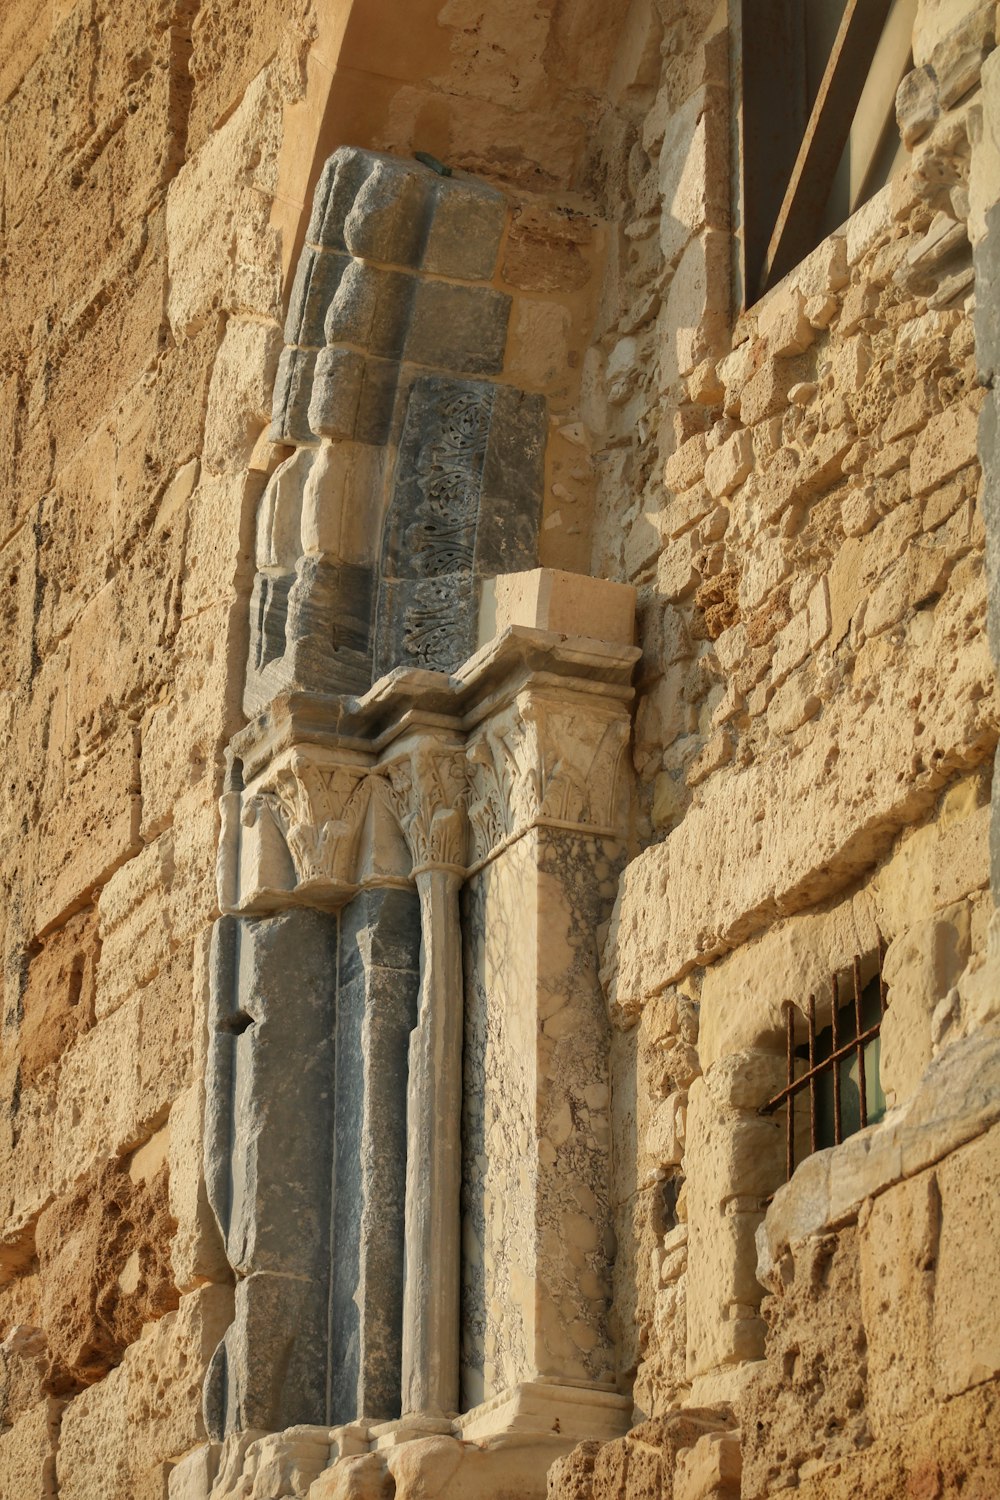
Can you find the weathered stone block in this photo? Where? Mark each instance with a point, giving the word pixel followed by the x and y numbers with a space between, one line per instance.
pixel 105 1267
pixel 240 394
pixel 711 1469
pixel 58 999
pixel 947 444
pixel 464 235
pixel 197 1252
pixel 426 622
pixel 898 1253
pixel 352 396
pixel 292 394
pixel 966 1328
pixel 226 60
pixel 224 257
pixel 387 220
pixel 270 1370
pixel 275 1018
pixel 372 309
pixel 813 1383
pixel 549 599
pixel 113 1436
pixel 921 966
pixel 458 328
pixel 317 278
pixel 766 392
pixel 134 925
pixel 728 465
pixel 193 1476
pixel 28 1452
pixel 338 186
pixel 917 105
pixel 328 624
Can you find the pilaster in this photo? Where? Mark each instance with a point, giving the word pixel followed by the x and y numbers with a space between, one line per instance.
pixel 481 818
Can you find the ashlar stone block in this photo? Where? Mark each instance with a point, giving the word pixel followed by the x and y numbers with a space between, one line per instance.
pixel 371 308
pixel 465 231
pixel 458 328
pixel 353 396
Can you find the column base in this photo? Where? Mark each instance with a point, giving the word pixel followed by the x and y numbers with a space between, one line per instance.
pixel 549 1407
pixel 503 1447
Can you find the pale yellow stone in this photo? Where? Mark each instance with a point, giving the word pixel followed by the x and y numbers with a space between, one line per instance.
pixel 565 603
pixel 110 1438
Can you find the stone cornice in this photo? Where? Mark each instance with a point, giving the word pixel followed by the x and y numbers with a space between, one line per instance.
pixel 428 771
pixel 406 698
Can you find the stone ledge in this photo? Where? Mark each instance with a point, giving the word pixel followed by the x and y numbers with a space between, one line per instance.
pixel 958 1100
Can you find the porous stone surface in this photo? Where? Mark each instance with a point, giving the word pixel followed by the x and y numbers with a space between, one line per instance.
pixel 318 317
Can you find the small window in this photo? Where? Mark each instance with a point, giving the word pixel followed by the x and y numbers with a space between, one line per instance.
pixel 815 133
pixel 833 1087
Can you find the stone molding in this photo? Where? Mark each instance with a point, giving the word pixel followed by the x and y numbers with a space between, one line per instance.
pixel 532 732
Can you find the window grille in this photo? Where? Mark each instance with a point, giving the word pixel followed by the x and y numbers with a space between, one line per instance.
pixel 841 1063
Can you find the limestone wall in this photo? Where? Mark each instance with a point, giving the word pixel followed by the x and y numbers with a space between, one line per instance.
pixel 796 492
pixel 141 290
pixel 157 158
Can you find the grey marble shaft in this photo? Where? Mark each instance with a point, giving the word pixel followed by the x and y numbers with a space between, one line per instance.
pixel 434 1157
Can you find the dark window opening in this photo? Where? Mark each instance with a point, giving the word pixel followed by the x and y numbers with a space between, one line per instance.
pixel 815 132
pixel 833 1087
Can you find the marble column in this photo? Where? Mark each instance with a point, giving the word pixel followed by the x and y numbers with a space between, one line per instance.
pixel 377 996
pixel 427 785
pixel 434 1157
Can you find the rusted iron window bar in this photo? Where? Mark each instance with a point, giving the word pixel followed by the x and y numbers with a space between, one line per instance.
pixel 839 1051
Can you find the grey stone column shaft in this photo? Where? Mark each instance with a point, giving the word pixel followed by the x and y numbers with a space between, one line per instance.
pixel 434 1157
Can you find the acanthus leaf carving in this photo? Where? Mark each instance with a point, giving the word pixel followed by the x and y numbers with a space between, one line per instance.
pixel 544 763
pixel 319 808
pixel 427 790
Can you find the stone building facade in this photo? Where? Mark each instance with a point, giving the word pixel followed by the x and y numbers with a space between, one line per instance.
pixel 501 634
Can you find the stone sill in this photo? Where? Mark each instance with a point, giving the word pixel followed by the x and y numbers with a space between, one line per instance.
pixel 958 1099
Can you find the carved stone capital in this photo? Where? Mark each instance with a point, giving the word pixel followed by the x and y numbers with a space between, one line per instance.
pixel 547 760
pixel 292 836
pixel 427 788
pixel 319 805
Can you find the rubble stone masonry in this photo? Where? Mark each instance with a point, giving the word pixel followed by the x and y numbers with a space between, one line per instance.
pixel 467 672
